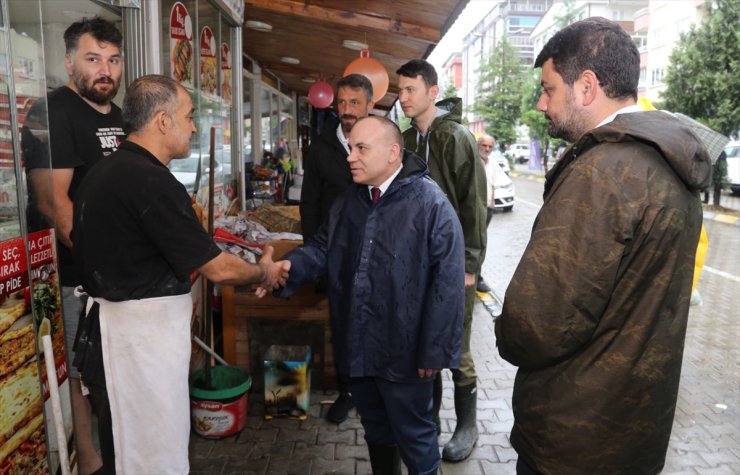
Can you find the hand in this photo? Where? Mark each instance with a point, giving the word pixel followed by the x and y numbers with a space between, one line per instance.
pixel 275 274
pixel 428 372
pixel 469 280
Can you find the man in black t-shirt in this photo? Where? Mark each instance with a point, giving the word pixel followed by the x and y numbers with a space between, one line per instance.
pixel 84 127
pixel 137 241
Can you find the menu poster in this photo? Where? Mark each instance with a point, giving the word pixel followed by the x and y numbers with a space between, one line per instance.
pixel 208 73
pixel 23 446
pixel 225 72
pixel 181 45
pixel 47 313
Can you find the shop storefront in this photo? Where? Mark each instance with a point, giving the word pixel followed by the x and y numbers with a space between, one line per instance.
pixel 197 42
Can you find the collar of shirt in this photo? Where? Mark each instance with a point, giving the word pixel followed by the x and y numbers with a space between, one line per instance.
pixel 623 110
pixel 384 186
pixel 342 139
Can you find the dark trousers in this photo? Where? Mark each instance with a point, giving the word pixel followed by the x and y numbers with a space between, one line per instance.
pixel 489 215
pixel 399 414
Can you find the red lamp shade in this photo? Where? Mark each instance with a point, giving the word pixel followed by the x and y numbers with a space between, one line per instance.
pixel 373 70
pixel 321 94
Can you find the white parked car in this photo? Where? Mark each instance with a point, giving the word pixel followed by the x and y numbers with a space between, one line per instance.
pixel 503 190
pixel 733 166
pixel 499 158
pixel 519 152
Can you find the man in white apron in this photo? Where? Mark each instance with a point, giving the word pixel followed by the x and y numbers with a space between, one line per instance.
pixel 136 242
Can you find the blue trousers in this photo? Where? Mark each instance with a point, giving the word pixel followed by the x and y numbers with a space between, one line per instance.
pixel 399 414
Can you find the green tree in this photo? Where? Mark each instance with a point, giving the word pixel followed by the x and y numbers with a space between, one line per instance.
pixel 450 91
pixel 499 92
pixel 531 89
pixel 702 79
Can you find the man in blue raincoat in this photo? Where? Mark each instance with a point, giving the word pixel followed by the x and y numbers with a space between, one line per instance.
pixel 394 253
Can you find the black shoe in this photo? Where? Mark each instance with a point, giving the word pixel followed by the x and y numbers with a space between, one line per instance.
pixel 482 286
pixel 338 411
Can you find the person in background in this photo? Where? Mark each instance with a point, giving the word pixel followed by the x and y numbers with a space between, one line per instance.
pixel 396 293
pixel 449 149
pixel 486 144
pixel 136 242
pixel 595 314
pixel 326 175
pixel 85 127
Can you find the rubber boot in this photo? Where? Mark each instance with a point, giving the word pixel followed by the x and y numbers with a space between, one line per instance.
pixel 385 459
pixel 437 402
pixel 466 431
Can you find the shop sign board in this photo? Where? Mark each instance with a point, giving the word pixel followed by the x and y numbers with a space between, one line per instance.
pixel 225 72
pixel 208 62
pixel 181 45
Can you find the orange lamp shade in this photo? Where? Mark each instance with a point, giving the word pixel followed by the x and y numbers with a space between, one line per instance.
pixel 371 69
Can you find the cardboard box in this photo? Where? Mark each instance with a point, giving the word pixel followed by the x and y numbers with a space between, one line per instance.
pixel 287 381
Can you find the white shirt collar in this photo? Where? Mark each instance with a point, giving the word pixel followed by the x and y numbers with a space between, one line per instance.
pixel 342 139
pixel 623 110
pixel 384 186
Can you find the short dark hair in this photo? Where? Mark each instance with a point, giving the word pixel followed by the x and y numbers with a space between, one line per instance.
pixel 357 81
pixel 147 96
pixel 601 46
pixel 100 28
pixel 419 67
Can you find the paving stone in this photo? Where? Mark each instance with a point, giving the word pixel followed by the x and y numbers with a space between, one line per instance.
pixel 289 466
pixel 493 468
pixel 355 451
pixel 327 436
pixel 303 451
pixel 329 467
pixel 244 466
pixel 468 467
pixel 297 435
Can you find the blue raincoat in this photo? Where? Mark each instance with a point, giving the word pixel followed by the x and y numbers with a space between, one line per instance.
pixel 396 277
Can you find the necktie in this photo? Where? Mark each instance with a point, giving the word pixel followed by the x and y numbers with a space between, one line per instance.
pixel 375 192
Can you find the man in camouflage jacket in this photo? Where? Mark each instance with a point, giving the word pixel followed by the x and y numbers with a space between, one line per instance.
pixel 595 315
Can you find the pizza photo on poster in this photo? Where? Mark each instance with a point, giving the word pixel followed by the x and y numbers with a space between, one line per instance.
pixel 225 72
pixel 208 60
pixel 23 446
pixel 181 45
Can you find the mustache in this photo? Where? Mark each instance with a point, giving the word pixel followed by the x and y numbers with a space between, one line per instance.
pixel 103 81
pixel 348 116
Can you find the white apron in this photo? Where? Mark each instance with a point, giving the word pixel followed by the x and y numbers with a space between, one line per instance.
pixel 146 355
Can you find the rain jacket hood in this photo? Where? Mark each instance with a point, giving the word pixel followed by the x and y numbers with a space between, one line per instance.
pixel 454 164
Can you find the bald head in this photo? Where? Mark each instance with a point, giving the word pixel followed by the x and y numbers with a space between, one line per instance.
pixel 377 150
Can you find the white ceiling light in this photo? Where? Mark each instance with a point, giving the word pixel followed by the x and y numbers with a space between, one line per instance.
pixel 308 79
pixel 290 60
pixel 354 45
pixel 258 25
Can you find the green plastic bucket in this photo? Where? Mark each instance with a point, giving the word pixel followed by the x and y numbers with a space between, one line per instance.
pixel 221 410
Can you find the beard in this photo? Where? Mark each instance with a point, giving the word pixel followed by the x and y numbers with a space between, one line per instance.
pixel 87 88
pixel 347 126
pixel 571 125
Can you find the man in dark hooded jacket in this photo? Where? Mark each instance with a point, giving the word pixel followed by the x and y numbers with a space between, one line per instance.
pixel 595 315
pixel 393 250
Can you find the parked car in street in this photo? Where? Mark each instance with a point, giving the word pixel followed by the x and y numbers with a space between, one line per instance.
pixel 519 152
pixel 501 160
pixel 185 170
pixel 503 190
pixel 733 166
